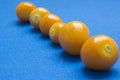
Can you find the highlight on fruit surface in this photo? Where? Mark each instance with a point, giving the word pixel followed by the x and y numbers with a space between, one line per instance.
pixel 99 52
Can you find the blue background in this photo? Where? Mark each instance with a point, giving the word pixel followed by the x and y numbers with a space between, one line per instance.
pixel 26 54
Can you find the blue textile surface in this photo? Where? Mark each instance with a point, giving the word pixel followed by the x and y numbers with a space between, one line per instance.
pixel 27 54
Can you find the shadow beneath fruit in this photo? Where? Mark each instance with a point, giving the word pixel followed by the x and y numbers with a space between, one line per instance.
pixel 36 31
pixel 54 45
pixel 22 24
pixel 69 58
pixel 95 75
pixel 44 37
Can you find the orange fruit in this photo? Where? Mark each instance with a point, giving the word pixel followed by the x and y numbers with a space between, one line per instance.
pixel 36 15
pixel 54 31
pixel 47 21
pixel 23 10
pixel 72 36
pixel 99 52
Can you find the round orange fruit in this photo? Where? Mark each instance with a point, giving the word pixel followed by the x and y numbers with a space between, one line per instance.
pixel 23 10
pixel 72 36
pixel 47 21
pixel 99 52
pixel 54 31
pixel 36 15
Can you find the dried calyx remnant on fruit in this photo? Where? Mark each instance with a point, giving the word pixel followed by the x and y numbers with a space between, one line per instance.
pixel 36 15
pixel 54 31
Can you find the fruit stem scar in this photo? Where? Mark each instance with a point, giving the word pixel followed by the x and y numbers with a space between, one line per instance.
pixel 35 18
pixel 108 48
pixel 52 32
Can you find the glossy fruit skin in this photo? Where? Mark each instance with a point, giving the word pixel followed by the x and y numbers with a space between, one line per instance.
pixel 72 36
pixel 47 21
pixel 23 11
pixel 54 31
pixel 36 15
pixel 99 52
